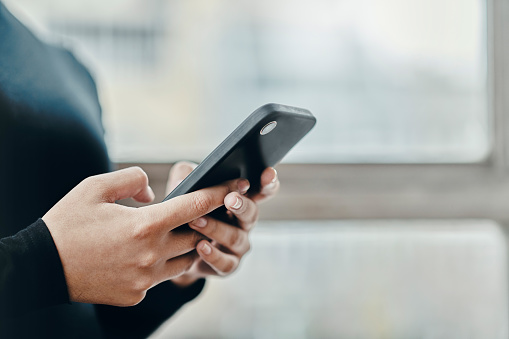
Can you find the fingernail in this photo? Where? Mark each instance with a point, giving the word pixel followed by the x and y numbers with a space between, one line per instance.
pixel 275 176
pixel 200 222
pixel 243 186
pixel 205 248
pixel 237 204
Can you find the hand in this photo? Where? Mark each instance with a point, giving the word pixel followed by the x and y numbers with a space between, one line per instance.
pixel 112 254
pixel 228 243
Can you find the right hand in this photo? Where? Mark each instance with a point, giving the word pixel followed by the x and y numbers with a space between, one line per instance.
pixel 112 254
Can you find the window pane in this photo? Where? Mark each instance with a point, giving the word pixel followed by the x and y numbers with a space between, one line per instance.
pixel 390 81
pixel 390 279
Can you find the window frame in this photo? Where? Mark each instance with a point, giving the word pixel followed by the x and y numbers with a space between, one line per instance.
pixel 401 191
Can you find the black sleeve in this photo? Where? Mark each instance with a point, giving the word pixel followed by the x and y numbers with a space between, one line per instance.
pixel 31 273
pixel 139 321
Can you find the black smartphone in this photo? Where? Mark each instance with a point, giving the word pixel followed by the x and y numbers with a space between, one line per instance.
pixel 260 141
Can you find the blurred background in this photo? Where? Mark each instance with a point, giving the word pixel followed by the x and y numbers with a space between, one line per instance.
pixel 389 81
pixel 394 84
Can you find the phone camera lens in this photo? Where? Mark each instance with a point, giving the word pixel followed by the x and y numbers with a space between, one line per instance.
pixel 268 128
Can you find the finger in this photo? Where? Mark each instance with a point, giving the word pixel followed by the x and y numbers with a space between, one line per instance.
pixel 219 261
pixel 182 209
pixel 177 266
pixel 130 182
pixel 233 238
pixel 146 195
pixel 269 176
pixel 243 208
pixel 181 241
pixel 179 172
pixel 269 183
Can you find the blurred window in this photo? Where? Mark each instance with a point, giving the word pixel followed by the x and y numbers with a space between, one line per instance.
pixel 389 81
pixel 349 279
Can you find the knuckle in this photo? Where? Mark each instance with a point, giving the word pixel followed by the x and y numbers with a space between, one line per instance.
pixel 143 226
pixel 140 174
pixel 237 239
pixel 87 181
pixel 181 169
pixel 148 260
pixel 141 231
pixel 183 165
pixel 186 263
pixel 256 215
pixel 248 247
pixel 99 185
pixel 202 202
pixel 229 267
pixel 179 164
pixel 94 182
pixel 141 284
pixel 196 238
pixel 212 228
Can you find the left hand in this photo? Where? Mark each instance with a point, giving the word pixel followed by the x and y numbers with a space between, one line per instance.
pixel 228 243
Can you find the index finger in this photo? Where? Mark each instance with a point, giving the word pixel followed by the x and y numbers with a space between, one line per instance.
pixel 182 209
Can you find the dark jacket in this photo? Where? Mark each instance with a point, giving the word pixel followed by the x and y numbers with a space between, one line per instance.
pixel 51 138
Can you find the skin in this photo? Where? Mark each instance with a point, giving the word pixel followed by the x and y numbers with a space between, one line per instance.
pixel 112 254
pixel 222 251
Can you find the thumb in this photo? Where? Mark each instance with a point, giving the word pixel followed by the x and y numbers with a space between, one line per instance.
pixel 130 182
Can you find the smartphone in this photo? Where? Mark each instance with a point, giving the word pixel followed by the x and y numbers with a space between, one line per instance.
pixel 260 141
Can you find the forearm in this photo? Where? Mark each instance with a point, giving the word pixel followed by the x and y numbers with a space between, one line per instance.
pixel 31 274
pixel 139 321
